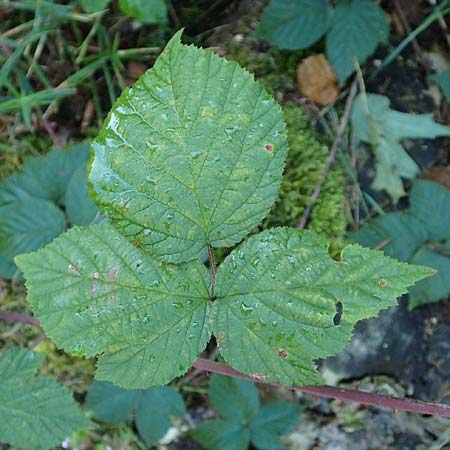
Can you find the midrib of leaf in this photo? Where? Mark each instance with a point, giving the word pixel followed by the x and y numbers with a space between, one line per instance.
pixel 194 187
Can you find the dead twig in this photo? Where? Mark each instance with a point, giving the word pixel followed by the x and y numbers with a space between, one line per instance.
pixel 332 156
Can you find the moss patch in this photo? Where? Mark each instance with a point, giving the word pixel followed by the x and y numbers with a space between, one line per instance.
pixel 304 168
pixel 275 69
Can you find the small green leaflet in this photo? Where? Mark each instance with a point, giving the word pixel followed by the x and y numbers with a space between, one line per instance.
pixel 353 30
pixel 295 25
pixel 357 29
pixel 242 422
pixel 34 412
pixel 147 11
pixel 154 407
pixel 277 303
pixel 191 154
pixel 443 80
pixel 384 128
pixel 95 293
pixel 420 236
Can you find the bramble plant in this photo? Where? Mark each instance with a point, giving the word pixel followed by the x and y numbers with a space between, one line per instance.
pixel 353 29
pixel 190 159
pixel 243 419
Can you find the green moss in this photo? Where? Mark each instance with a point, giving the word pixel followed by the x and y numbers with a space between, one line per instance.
pixel 75 372
pixel 13 153
pixel 275 69
pixel 304 169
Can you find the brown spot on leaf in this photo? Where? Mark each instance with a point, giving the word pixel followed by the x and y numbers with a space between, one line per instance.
pixel 95 275
pixel 282 353
pixel 268 147
pixel 382 283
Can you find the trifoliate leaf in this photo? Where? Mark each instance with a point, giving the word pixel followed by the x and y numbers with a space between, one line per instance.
pixel 93 6
pixel 45 178
pixel 191 154
pixel 79 207
pixel 377 124
pixel 222 435
pixel 95 293
pixel 244 420
pixel 233 399
pixel 295 25
pixel 420 236
pixel 147 11
pixel 443 80
pixel 154 407
pixel 28 224
pixel 34 412
pixel 273 420
pixel 358 27
pixel 282 302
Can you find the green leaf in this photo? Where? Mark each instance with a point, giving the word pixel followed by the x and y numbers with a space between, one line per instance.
pixel 191 154
pixel 27 225
pixel 377 124
pixel 34 412
pixel 430 203
pixel 420 236
pixel 7 268
pixel 244 419
pixel 222 435
pixel 45 178
pixel 443 80
pixel 295 25
pixel 93 6
pixel 272 421
pixel 399 235
pixel 147 11
pixel 155 409
pixel 79 207
pixel 110 403
pixel 278 296
pixel 233 399
pixel 437 288
pixel 357 29
pixel 95 293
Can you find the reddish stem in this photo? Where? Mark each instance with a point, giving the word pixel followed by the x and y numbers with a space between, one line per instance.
pixel 17 317
pixel 346 395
